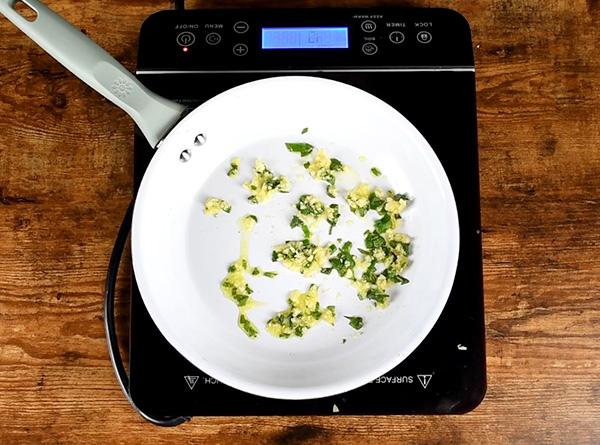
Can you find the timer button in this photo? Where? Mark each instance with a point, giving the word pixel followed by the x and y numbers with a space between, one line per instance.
pixel 368 26
pixel 240 49
pixel 396 37
pixel 424 37
pixel 241 27
pixel 214 38
pixel 185 38
pixel 369 48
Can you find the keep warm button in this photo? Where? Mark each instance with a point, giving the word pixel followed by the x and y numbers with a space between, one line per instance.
pixel 424 37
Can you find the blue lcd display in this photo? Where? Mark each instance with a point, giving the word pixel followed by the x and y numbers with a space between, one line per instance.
pixel 304 38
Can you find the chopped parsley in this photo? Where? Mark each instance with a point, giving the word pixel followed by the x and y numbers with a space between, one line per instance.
pixel 247 326
pixel 302 148
pixel 297 222
pixel 333 216
pixel 375 171
pixel 384 224
pixel 336 165
pixel 304 130
pixel 356 322
pixel 344 262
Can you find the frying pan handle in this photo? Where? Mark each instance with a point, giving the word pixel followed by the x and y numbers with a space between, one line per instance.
pixel 154 114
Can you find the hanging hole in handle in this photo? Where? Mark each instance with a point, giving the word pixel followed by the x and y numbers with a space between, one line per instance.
pixel 25 11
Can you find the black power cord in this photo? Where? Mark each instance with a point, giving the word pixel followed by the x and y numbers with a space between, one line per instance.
pixel 109 322
pixel 109 308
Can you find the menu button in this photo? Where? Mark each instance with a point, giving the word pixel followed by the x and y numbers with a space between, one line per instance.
pixel 214 38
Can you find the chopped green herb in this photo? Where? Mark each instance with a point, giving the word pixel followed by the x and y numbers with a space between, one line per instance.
pixel 375 171
pixel 305 130
pixel 303 148
pixel 378 297
pixel 373 240
pixel 270 274
pixel 394 277
pixel 247 326
pixel 356 322
pixel 384 224
pixel 369 275
pixel 333 215
pixel 336 165
pixel 297 222
pixel 344 261
pixel 376 202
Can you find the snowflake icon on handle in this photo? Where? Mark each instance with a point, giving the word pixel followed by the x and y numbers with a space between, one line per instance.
pixel 121 87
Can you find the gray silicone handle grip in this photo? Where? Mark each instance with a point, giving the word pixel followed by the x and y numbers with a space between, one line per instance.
pixel 154 115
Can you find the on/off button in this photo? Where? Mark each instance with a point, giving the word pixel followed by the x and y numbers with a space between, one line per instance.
pixel 185 38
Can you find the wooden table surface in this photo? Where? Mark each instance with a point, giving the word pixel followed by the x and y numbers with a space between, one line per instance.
pixel 66 178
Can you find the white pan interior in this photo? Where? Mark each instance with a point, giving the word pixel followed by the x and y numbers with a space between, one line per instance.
pixel 181 255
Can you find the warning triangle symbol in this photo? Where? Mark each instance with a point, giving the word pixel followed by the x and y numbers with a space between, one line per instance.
pixel 424 379
pixel 191 380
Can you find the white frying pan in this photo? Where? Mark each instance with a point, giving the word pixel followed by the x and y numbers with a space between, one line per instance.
pixel 180 255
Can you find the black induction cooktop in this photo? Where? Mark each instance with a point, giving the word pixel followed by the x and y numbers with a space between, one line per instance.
pixel 420 61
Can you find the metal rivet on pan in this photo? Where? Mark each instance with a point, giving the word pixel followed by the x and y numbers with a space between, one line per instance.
pixel 185 155
pixel 199 139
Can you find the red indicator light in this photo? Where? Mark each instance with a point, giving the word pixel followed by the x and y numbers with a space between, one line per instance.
pixel 185 49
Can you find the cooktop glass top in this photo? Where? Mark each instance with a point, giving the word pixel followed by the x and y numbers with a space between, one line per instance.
pixel 446 373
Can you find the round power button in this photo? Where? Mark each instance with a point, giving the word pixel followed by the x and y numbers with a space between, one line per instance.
pixel 185 38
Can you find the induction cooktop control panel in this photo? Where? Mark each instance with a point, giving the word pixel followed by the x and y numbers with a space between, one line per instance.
pixel 310 39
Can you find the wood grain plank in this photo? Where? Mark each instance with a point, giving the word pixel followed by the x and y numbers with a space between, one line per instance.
pixel 65 181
